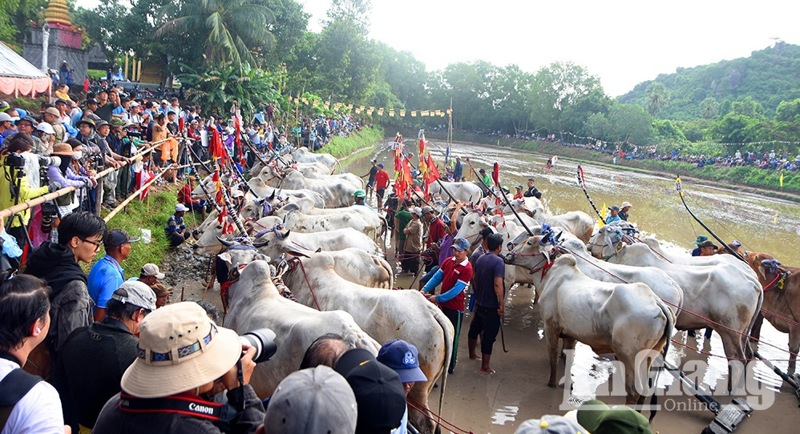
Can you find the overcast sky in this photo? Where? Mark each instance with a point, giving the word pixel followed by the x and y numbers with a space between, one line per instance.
pixel 624 42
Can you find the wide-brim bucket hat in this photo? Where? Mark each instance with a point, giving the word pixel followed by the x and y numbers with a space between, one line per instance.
pixel 180 349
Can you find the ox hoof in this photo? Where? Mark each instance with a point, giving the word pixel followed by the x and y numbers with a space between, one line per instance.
pixel 552 385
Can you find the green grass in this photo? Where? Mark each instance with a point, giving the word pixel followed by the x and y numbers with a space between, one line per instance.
pixel 151 214
pixel 31 105
pixel 341 147
pixel 96 74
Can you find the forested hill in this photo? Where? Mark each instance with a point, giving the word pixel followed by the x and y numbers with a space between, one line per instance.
pixel 768 76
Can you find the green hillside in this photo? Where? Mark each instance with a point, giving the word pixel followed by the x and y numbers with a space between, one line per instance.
pixel 768 76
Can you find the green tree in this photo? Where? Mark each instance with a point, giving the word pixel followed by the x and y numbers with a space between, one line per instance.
pixel 748 107
pixel 236 30
pixel 288 28
pixel 554 88
pixel 708 108
pixel 354 11
pixel 788 111
pixel 598 126
pixel 732 128
pixel 630 124
pixel 345 62
pixel 657 98
pixel 216 87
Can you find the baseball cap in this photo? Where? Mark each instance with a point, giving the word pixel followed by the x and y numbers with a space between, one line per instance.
pixel 46 128
pixel 117 237
pixel 488 230
pixel 29 119
pixel 380 165
pixel 53 111
pixel 416 211
pixel 135 293
pixel 461 244
pixel 314 400
pixel 700 239
pixel 5 117
pixel 152 270
pixel 549 424
pixel 181 208
pixel 707 243
pixel 378 390
pixel 404 359
pixel 599 418
pixel 426 209
pixel 134 104
pixel 614 208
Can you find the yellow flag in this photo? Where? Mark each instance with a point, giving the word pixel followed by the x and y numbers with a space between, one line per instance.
pixel 775 220
pixel 603 215
pixel 402 113
pixel 781 179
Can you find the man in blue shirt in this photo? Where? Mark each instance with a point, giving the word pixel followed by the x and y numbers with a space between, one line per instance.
pixel 489 295
pixel 107 274
pixel 614 216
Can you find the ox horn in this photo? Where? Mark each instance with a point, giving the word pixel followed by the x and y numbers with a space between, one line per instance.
pixel 260 244
pixel 272 196
pixel 224 242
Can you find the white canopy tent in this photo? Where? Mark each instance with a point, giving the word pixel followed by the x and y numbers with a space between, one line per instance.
pixel 20 77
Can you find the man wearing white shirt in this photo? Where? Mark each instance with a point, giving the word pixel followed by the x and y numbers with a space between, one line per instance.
pixel 25 315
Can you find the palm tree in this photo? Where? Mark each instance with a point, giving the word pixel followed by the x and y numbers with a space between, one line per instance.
pixel 235 29
pixel 657 98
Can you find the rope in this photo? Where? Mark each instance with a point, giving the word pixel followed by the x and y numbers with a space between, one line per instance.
pixel 682 309
pixel 305 276
pixel 707 353
pixel 436 418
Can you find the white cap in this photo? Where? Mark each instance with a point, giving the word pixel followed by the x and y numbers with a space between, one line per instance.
pixel 46 128
pixel 152 270
pixel 181 208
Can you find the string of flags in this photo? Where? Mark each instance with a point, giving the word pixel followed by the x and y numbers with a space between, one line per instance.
pixel 601 142
pixel 369 110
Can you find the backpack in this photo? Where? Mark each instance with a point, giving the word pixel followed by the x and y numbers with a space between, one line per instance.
pixel 13 388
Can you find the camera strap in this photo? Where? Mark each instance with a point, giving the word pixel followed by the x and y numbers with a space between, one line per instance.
pixel 185 404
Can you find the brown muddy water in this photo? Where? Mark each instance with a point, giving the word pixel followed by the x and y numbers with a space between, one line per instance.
pixel 518 391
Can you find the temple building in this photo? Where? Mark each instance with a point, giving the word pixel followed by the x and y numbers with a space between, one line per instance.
pixel 57 45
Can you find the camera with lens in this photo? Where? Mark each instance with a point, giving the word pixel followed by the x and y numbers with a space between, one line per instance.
pixel 49 213
pixel 134 133
pixel 49 161
pixel 14 160
pixel 263 340
pixel 96 161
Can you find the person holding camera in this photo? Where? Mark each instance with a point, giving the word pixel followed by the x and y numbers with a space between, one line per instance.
pixel 68 174
pixel 15 185
pixel 25 320
pixel 94 358
pixel 183 359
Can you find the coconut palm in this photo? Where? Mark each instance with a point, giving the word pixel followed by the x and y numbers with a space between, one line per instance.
pixel 233 29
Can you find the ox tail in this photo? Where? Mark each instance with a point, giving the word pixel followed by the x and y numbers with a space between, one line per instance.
pixel 448 351
pixel 383 231
pixel 665 339
pixel 388 267
pixel 746 344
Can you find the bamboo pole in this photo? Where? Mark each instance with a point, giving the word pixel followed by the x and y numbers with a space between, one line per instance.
pixel 126 66
pixel 8 212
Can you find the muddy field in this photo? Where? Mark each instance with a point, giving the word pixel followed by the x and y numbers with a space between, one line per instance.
pixel 518 391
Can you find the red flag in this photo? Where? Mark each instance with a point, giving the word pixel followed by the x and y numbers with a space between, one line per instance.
pixel 218 185
pixel 433 173
pixel 215 147
pixel 180 124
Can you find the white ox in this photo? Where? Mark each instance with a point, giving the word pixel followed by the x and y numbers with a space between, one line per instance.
pixel 658 280
pixel 360 267
pixel 466 192
pixel 260 188
pixel 255 303
pixel 720 296
pixel 284 241
pixel 297 221
pixel 578 223
pixel 303 155
pixel 697 260
pixel 335 192
pixel 623 319
pixel 384 315
pixel 370 215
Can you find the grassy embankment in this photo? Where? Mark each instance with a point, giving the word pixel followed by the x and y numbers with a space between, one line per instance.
pixel 151 214
pixel 343 147
pixel 747 176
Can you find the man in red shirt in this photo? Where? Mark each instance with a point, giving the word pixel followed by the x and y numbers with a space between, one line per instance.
pixel 381 184
pixel 454 275
pixel 436 232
